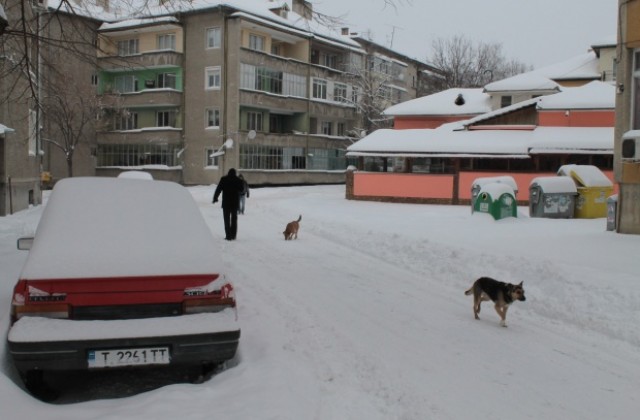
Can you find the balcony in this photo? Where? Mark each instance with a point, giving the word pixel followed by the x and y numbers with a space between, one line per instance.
pixel 147 98
pixel 152 59
pixel 149 135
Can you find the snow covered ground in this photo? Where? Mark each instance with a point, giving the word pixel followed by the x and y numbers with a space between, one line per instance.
pixel 365 317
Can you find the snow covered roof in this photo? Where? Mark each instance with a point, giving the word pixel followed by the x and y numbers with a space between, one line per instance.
pixel 109 227
pixel 449 102
pixel 593 95
pixel 445 141
pixel 133 23
pixel 584 66
pixel 554 184
pixel 586 175
pixel 530 81
pixel 125 13
pixel 502 111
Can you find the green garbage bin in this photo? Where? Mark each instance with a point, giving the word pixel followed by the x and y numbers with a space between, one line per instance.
pixel 477 184
pixel 497 199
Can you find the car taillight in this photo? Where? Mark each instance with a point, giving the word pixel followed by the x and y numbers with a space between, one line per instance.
pixel 45 307
pixel 199 301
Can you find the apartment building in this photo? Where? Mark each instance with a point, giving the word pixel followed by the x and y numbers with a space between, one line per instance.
pixel 190 95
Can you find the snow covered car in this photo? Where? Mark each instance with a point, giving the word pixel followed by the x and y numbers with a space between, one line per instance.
pixel 121 273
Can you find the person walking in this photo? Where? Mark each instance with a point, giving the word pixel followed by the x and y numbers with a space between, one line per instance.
pixel 230 186
pixel 244 194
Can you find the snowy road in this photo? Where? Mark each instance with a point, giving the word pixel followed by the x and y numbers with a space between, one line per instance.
pixel 364 317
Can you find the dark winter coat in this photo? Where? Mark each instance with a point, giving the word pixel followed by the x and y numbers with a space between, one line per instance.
pixel 230 186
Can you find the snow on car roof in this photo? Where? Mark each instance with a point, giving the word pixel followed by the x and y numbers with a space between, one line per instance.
pixel 109 227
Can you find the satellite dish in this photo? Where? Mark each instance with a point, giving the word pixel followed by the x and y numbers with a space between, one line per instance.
pixel 228 144
pixel 363 133
pixel 251 134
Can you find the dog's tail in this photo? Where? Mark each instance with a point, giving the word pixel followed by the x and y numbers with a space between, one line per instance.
pixel 468 292
pixel 299 218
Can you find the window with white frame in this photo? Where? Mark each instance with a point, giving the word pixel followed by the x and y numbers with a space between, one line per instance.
pixel 254 121
pixel 128 47
pixel 212 118
pixel 209 160
pixel 127 121
pixel 214 38
pixel 213 77
pixel 319 89
pixel 256 42
pixel 325 127
pixel 340 92
pixel 165 118
pixel 167 80
pixel 167 42
pixel 33 132
pixel 125 84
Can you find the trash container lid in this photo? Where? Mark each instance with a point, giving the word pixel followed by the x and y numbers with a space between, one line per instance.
pixel 505 179
pixel 586 175
pixel 496 189
pixel 555 184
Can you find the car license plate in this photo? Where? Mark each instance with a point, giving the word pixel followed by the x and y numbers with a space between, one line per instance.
pixel 128 357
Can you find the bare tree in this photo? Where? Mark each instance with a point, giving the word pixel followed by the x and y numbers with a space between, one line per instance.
pixel 466 64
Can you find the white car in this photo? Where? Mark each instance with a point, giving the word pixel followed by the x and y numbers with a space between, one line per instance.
pixel 121 273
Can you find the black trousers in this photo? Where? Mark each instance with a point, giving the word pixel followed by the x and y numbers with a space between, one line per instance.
pixel 230 223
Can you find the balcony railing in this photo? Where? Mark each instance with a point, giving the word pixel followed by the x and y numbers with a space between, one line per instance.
pixel 164 58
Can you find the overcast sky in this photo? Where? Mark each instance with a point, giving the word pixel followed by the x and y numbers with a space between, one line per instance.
pixel 536 32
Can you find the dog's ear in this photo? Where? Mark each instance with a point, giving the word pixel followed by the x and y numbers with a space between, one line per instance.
pixel 521 283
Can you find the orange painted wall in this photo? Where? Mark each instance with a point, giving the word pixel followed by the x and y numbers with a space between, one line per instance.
pixel 379 184
pixel 576 118
pixel 431 186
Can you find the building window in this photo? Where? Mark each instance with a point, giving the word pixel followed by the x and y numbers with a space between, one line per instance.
pixel 340 92
pixel 340 129
pixel 167 42
pixel 272 81
pixel 258 156
pixel 165 119
pixel 505 101
pixel 94 79
pixel 256 42
pixel 325 127
pixel 167 80
pixel 319 89
pixel 128 47
pixel 128 121
pixel 33 132
pixel 125 84
pixel 329 60
pixel 136 154
pixel 213 76
pixel 254 121
pixel 213 118
pixel 213 38
pixel 211 161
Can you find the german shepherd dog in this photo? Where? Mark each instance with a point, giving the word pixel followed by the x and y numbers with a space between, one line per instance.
pixel 291 230
pixel 502 294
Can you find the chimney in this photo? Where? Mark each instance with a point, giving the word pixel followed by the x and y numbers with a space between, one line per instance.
pixel 345 31
pixel 303 8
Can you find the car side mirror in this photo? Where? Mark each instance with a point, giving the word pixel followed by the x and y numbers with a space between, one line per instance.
pixel 24 244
